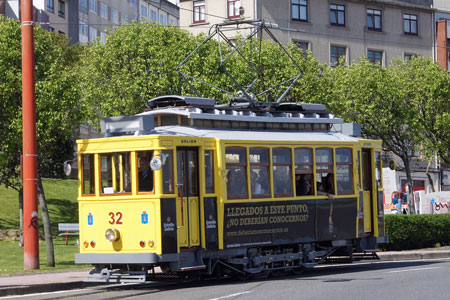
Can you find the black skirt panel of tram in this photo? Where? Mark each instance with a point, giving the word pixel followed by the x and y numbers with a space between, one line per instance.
pixel 211 233
pixel 169 225
pixel 380 212
pixel 336 219
pixel 288 222
pixel 269 223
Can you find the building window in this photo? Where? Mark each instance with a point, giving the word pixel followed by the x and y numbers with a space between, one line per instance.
pixel 233 8
pixel 302 45
pixel 114 16
pixel 51 29
pixel 173 20
pixel 199 11
pixel 102 37
pixel 374 19
pixel 300 10
pixel 408 56
pixel 125 19
pixel 92 34
pixel 103 10
pixel 133 4
pixel 410 24
pixel 61 9
pixel 50 6
pixel 336 52
pixel 153 15
pixel 144 12
pixel 337 15
pixel 93 6
pixel 163 18
pixel 84 31
pixel 375 56
pixel 84 6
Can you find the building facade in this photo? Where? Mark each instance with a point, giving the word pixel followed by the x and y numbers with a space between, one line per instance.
pixel 86 20
pixel 330 29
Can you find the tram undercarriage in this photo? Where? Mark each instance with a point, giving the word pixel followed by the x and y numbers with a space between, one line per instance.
pixel 242 263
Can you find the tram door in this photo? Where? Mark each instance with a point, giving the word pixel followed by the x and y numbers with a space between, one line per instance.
pixel 367 185
pixel 188 218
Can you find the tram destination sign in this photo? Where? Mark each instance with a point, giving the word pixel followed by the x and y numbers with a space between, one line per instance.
pixel 268 223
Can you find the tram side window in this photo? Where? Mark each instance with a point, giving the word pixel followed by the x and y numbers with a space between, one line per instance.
pixel 344 171
pixel 259 172
pixel 167 171
pixel 209 171
pixel 115 173
pixel 145 173
pixel 236 164
pixel 303 172
pixel 88 174
pixel 378 168
pixel 282 172
pixel 324 170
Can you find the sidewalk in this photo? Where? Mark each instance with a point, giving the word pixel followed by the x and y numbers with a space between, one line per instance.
pixel 22 284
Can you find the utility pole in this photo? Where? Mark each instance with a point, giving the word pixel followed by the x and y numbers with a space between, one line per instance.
pixel 29 159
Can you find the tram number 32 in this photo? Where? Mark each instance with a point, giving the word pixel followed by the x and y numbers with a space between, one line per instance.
pixel 115 218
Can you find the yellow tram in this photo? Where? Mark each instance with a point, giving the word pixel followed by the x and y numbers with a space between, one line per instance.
pixel 192 186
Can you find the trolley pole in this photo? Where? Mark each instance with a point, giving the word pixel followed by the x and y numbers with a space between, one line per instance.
pixel 29 172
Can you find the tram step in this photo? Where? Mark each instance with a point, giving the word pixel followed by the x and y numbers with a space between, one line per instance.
pixel 109 276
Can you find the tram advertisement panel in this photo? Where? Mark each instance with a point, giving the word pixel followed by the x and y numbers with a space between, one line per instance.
pixel 268 223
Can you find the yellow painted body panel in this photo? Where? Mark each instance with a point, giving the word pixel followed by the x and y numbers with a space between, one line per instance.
pixel 367 212
pixel 128 212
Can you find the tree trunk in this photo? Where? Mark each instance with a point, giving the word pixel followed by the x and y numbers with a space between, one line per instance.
pixel 46 221
pixel 409 185
pixel 21 217
pixel 430 179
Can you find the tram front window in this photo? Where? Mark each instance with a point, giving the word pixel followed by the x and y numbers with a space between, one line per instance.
pixel 145 174
pixel 115 173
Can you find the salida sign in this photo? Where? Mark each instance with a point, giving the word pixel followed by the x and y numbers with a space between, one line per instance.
pixel 251 224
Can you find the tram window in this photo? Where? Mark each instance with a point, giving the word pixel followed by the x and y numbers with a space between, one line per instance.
pixel 236 164
pixel 115 173
pixel 209 171
pixel 88 174
pixel 167 171
pixel 226 124
pixel 169 120
pixel 324 170
pixel 259 172
pixel 344 170
pixel 303 172
pixel 145 173
pixel 378 168
pixel 282 172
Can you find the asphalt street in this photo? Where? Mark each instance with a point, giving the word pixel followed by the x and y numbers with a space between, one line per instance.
pixel 400 280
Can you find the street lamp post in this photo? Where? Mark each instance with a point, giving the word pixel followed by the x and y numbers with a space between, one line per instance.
pixel 29 172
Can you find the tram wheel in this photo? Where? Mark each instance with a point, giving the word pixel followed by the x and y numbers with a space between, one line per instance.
pixel 298 271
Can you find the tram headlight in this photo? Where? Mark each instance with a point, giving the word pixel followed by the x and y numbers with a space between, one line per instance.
pixel 151 243
pixel 86 244
pixel 112 235
pixel 142 244
pixel 93 244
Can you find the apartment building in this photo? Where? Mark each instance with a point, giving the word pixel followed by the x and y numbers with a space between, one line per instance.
pixel 89 19
pixel 86 20
pixel 378 29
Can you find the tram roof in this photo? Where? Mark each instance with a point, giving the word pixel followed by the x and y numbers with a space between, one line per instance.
pixel 253 135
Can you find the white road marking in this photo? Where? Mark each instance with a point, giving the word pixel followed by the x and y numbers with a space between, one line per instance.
pixel 411 270
pixel 232 295
pixel 40 294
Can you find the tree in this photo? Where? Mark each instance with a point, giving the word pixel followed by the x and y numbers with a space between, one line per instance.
pixel 380 100
pixel 58 111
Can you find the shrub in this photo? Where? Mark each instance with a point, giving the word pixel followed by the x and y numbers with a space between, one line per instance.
pixel 416 231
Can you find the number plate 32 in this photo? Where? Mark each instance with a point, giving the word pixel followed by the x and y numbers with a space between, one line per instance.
pixel 115 218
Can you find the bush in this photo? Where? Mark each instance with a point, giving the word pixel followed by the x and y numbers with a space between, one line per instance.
pixel 416 231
